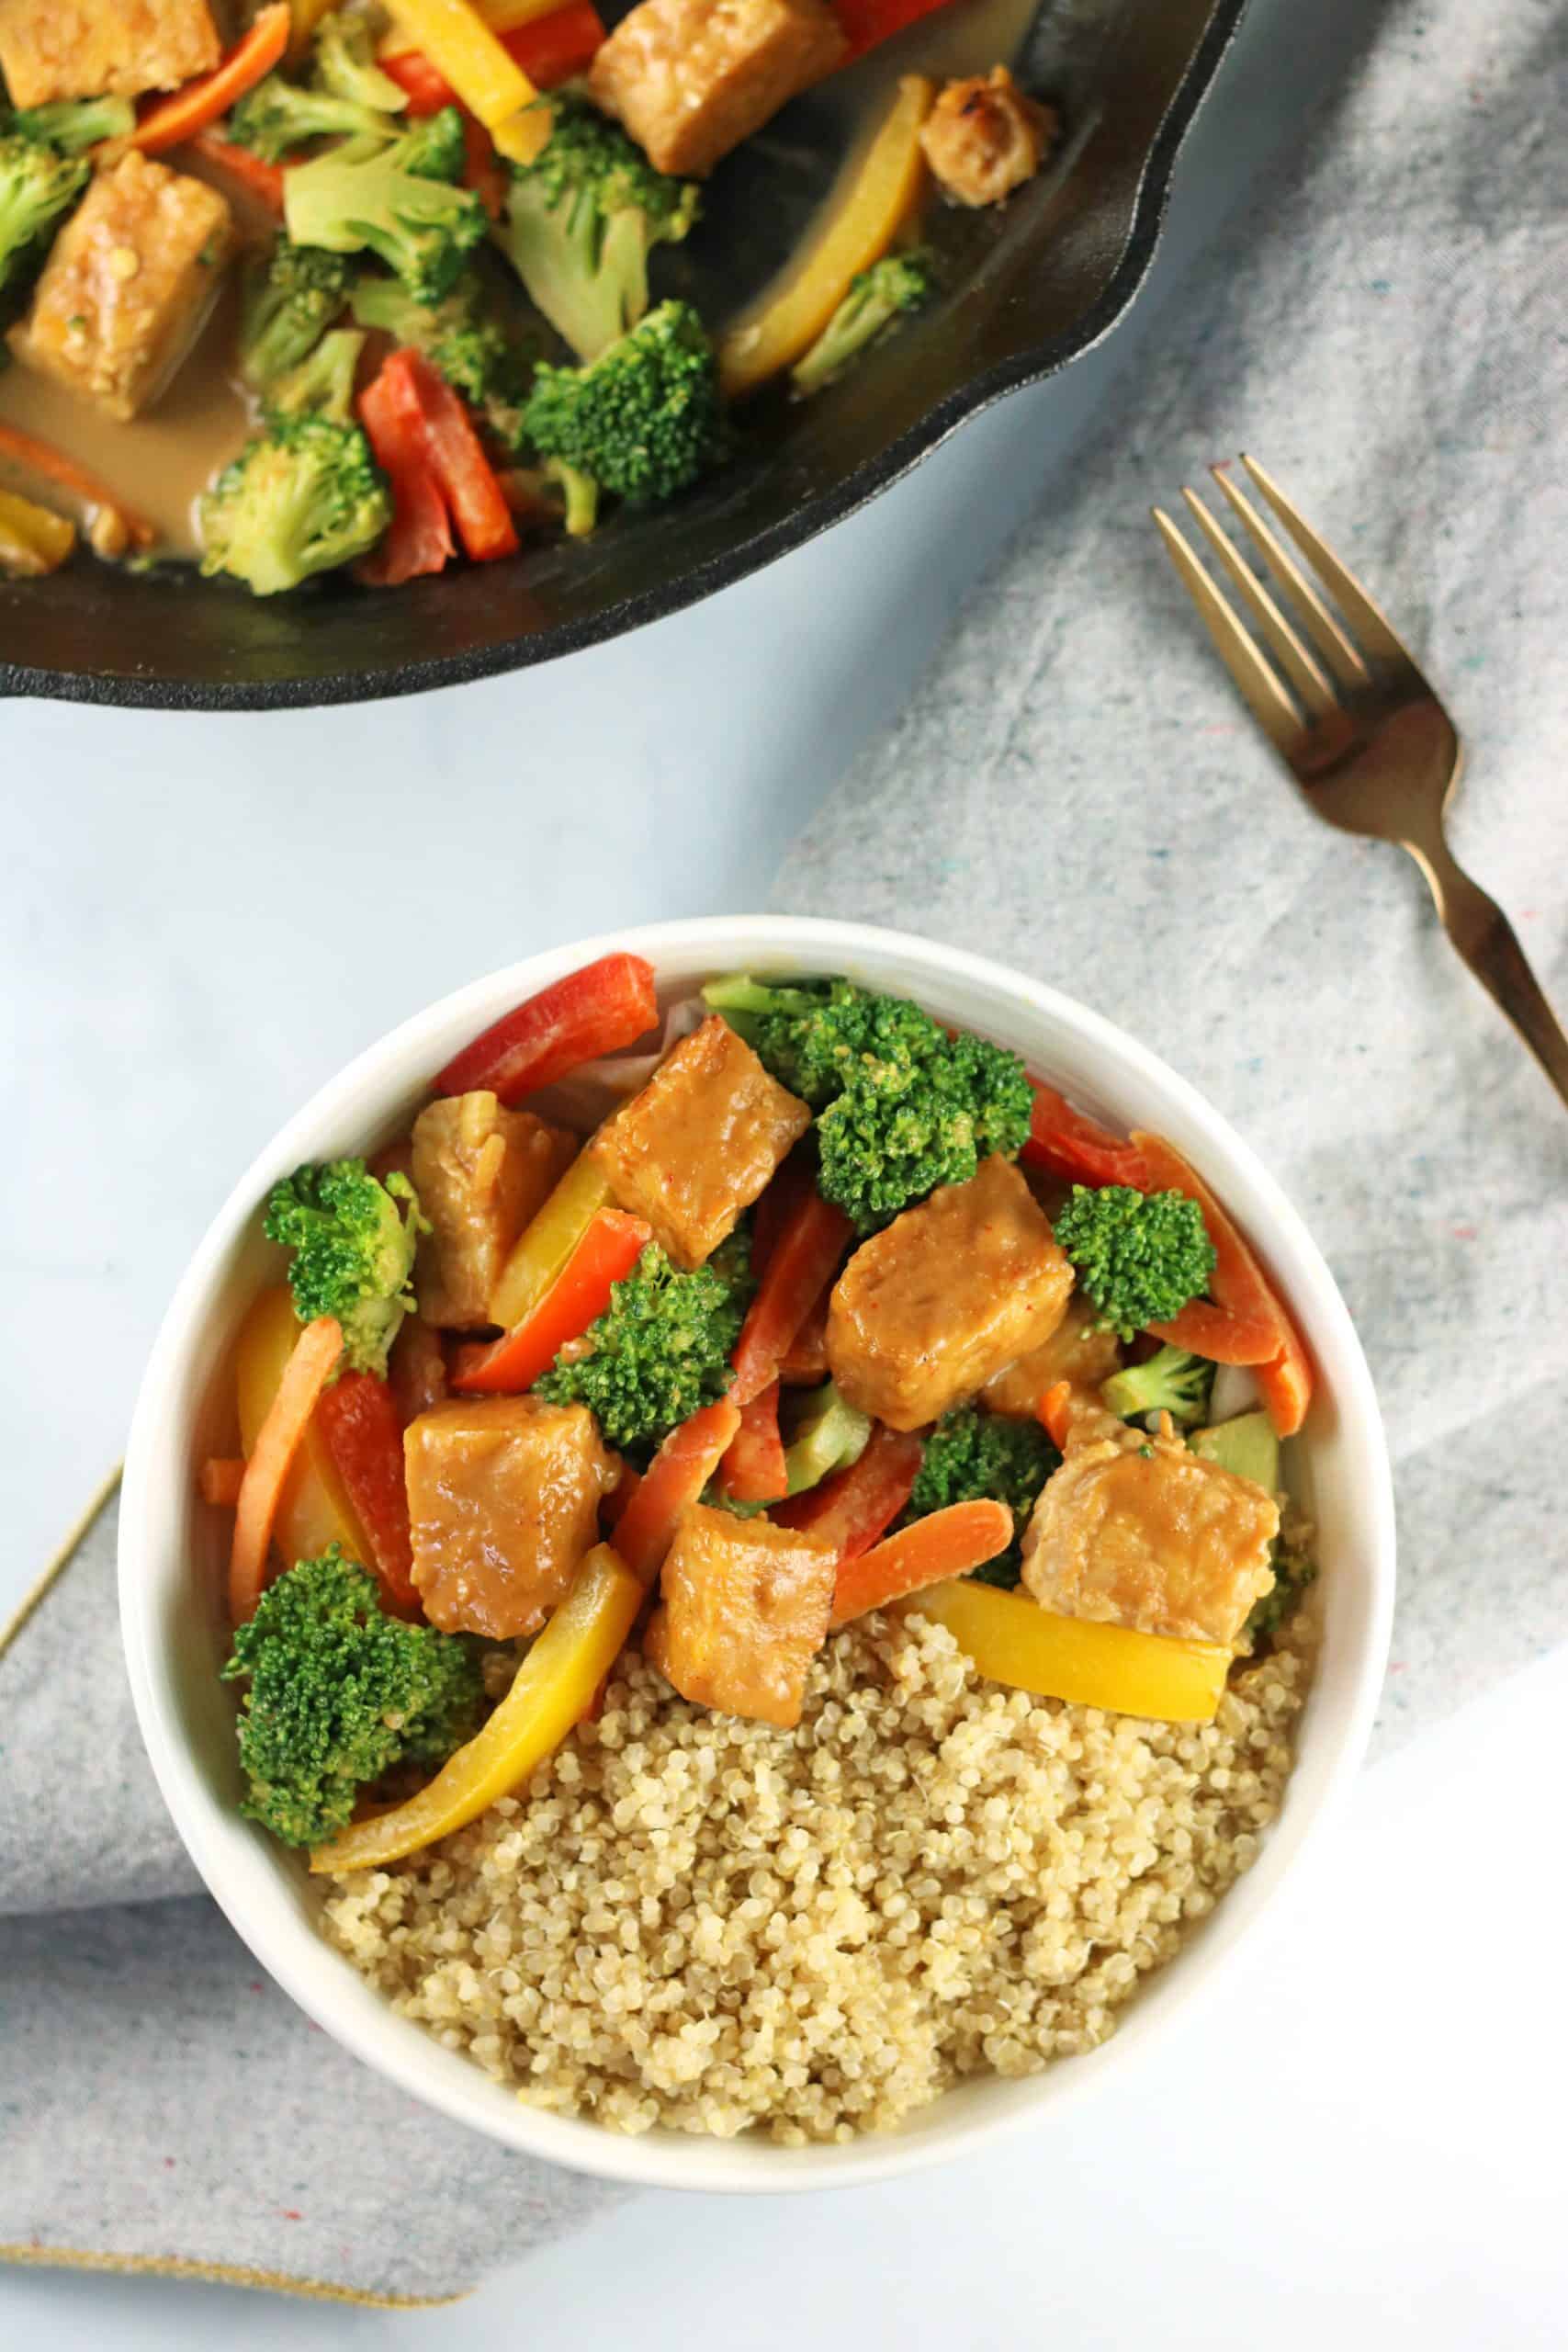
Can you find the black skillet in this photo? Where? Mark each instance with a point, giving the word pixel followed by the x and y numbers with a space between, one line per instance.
pixel 1029 287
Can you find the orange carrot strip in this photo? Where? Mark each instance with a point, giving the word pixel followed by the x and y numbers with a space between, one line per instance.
pixel 172 120
pixel 1238 1286
pixel 753 1470
pixel 1286 1385
pixel 305 1375
pixel 946 1543
pixel 800 1264
pixel 1070 1144
pixel 220 1478
pixel 578 1295
pixel 673 1481
pixel 856 1506
pixel 26 450
pixel 1055 1413
pixel 261 180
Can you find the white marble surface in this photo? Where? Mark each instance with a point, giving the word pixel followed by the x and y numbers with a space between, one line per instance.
pixel 200 919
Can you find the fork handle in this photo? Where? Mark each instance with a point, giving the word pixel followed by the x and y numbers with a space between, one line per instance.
pixel 1487 939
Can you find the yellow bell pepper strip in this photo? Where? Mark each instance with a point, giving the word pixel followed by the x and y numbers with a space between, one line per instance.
pixel 33 539
pixel 310 1367
pixel 313 1508
pixel 456 39
pixel 542 1248
pixel 1011 1639
pixel 554 1689
pixel 862 221
pixel 304 16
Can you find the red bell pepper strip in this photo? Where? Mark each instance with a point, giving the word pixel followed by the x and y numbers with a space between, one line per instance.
pixel 802 1263
pixel 456 455
pixel 599 1010
pixel 608 1250
pixel 419 538
pixel 358 1418
pixel 855 1507
pixel 169 123
pixel 550 50
pixel 805 1361
pixel 945 1544
pixel 1070 1145
pixel 263 181
pixel 482 169
pixel 869 23
pixel 673 1480
pixel 1245 1322
pixel 753 1470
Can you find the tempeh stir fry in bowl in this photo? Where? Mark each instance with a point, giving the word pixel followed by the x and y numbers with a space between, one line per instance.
pixel 761 1574
pixel 300 289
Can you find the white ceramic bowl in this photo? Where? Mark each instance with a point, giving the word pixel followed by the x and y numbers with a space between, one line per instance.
pixel 170 1548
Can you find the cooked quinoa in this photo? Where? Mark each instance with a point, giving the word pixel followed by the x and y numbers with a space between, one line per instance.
pixel 701 1922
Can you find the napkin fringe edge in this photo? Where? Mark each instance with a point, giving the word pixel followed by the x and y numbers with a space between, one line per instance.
pixel 223 2274
pixel 70 1544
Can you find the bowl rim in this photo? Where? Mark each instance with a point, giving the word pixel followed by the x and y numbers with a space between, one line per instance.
pixel 323 1984
pixel 1030 365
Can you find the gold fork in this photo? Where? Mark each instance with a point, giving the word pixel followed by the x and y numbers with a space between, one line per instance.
pixel 1361 731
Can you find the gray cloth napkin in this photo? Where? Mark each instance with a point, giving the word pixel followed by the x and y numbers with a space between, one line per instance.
pixel 1073 790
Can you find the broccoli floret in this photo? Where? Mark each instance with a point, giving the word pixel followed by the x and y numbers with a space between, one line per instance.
pixel 339 1692
pixel 902 1106
pixel 397 202
pixel 346 65
pixel 303 497
pixel 289 301
pixel 642 420
pixel 277 118
pixel 1139 1256
pixel 464 338
pixel 37 186
pixel 322 385
pixel 660 1349
pixel 1294 1570
pixel 352 1251
pixel 972 1457
pixel 1173 1382
pixel 581 222
pixel 73 125
pixel 896 283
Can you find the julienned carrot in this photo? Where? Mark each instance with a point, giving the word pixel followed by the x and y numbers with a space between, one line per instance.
pixel 1055 1413
pixel 578 1295
pixel 1241 1289
pixel 358 1417
pixel 946 1543
pixel 305 1375
pixel 43 457
pixel 672 1483
pixel 603 1007
pixel 261 180
pixel 221 1479
pixel 753 1471
pixel 1071 1145
pixel 802 1262
pixel 172 120
pixel 856 1506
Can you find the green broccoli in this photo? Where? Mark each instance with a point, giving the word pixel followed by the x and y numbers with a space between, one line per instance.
pixel 73 125
pixel 660 1349
pixel 340 1692
pixel 277 118
pixel 581 220
pixel 896 283
pixel 303 497
pixel 289 299
pixel 323 384
pixel 1139 1256
pixel 902 1107
pixel 1173 1382
pixel 352 1251
pixel 1294 1570
pixel 344 62
pixel 38 187
pixel 640 422
pixel 397 202
pixel 464 337
pixel 972 1457
pixel 828 1433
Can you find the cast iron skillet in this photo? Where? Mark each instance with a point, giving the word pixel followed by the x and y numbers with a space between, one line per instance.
pixel 1030 288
